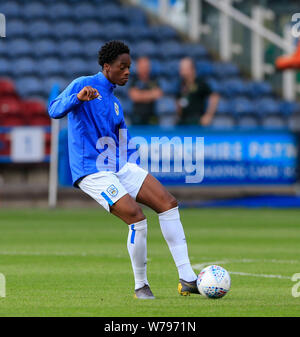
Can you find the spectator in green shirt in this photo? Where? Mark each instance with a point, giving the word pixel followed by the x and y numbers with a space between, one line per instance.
pixel 144 91
pixel 196 102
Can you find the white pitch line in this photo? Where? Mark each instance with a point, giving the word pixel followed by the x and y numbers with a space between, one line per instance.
pixel 200 266
pixel 44 253
pixel 260 275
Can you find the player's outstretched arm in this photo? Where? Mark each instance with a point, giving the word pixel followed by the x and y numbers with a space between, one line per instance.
pixel 69 100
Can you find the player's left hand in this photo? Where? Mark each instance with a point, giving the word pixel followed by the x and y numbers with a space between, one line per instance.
pixel 88 93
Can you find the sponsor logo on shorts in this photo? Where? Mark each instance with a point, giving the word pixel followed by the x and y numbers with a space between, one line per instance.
pixel 112 190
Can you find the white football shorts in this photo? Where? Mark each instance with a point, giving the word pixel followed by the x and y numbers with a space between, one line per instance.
pixel 107 187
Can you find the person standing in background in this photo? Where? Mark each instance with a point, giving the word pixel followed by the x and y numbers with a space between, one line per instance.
pixel 144 91
pixel 196 102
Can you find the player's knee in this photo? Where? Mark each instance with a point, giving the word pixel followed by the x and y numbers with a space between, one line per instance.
pixel 170 202
pixel 173 202
pixel 136 214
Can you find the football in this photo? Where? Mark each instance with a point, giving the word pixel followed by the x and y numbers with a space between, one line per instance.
pixel 213 282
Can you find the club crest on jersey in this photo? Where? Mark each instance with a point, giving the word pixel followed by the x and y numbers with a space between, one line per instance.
pixel 99 97
pixel 112 190
pixel 116 108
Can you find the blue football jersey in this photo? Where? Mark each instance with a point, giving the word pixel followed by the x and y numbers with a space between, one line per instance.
pixel 97 133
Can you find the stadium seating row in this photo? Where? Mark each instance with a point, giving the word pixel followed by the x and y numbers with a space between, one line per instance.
pixel 240 112
pixel 15 111
pixel 46 44
pixel 236 108
pixel 29 84
pixel 93 28
pixel 72 46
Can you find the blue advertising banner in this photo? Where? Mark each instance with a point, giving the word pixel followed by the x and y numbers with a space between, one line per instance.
pixel 201 156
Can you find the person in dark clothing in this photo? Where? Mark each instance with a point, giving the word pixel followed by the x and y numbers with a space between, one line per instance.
pixel 196 102
pixel 144 91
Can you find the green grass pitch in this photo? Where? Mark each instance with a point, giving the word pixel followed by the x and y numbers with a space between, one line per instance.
pixel 75 263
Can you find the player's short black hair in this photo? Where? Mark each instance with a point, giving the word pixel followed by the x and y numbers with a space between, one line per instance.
pixel 111 50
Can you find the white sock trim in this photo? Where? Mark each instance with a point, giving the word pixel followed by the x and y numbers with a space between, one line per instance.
pixel 137 248
pixel 170 214
pixel 138 226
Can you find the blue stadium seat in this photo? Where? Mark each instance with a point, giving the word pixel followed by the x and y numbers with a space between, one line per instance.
pixel 49 82
pixel 164 33
pixel 75 67
pixel 101 2
pixel 110 12
pixel 223 122
pixel 115 31
pixel 66 30
pixel 45 48
pixel 165 106
pixel 267 106
pixel 4 52
pixel 204 68
pixel 93 66
pixel 274 122
pixel 139 34
pixel 170 69
pixel 169 86
pixel 40 29
pixel 70 48
pixel 167 121
pixel 132 68
pixel 50 66
pixel 121 91
pixel 126 104
pixel 234 87
pixel 259 89
pixel 34 10
pixel 19 47
pixel 224 107
pixel 214 84
pixel 11 10
pixel 171 50
pixel 91 48
pixel 146 48
pixel 287 108
pixel 195 51
pixel 133 16
pixel 24 67
pixel 6 67
pixel 242 106
pixel 29 86
pixel 16 28
pixel 156 68
pixel 92 29
pixel 225 70
pixel 294 122
pixel 85 11
pixel 247 121
pixel 59 12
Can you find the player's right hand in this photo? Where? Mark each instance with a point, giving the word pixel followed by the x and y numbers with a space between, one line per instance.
pixel 87 94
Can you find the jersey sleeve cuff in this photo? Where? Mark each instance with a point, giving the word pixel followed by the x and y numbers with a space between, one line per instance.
pixel 76 100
